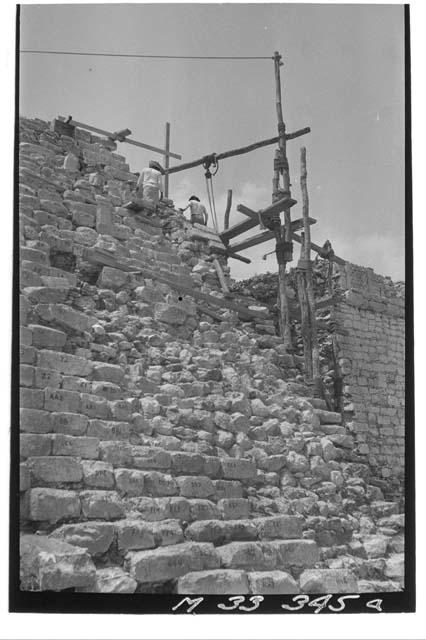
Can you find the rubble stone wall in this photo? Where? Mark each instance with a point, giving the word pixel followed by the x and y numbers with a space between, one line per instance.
pixel 163 448
pixel 370 326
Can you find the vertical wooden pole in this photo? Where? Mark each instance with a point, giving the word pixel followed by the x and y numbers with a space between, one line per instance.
pixel 313 356
pixel 167 160
pixel 227 210
pixel 280 233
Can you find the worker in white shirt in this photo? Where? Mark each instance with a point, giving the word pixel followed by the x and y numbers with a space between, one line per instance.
pixel 198 211
pixel 150 183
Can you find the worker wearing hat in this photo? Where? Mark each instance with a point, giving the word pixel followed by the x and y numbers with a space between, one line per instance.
pixel 150 183
pixel 198 211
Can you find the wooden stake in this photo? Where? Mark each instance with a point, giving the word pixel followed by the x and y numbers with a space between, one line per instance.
pixel 313 356
pixel 281 234
pixel 167 160
pixel 227 210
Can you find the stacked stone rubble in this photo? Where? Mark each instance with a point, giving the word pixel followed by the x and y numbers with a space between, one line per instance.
pixel 163 450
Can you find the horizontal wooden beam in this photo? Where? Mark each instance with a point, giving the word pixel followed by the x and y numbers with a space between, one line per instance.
pixel 246 225
pixel 318 249
pixel 236 256
pixel 240 151
pixel 247 211
pixel 267 235
pixel 113 136
pixel 97 256
pixel 253 241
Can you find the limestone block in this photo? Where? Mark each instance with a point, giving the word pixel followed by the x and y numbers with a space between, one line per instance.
pixel 34 444
pixel 109 430
pixel 111 580
pixel 234 508
pixel 258 408
pixel 94 536
pixel 159 484
pixel 118 454
pixel 376 546
pixel 328 581
pixel 24 477
pixel 170 562
pixel 381 508
pixel 71 424
pixel 134 534
pixel 272 582
pixel 167 532
pixel 65 445
pixel 27 354
pixel 45 337
pixel 49 564
pixel 238 469
pixel 109 372
pixel 69 318
pixel 328 417
pixel 94 406
pixel 214 582
pixel 47 378
pixel 239 423
pixel 241 555
pixel 395 566
pixel 207 531
pixel 203 510
pixel 107 390
pixel 151 458
pixel 284 527
pixel 53 504
pixel 175 315
pixel 299 553
pixel 50 469
pixel 297 462
pixel 35 421
pixel 195 486
pixel 129 482
pixel 104 505
pixel 186 462
pixel 228 489
pixel 64 363
pixel 31 398
pixel 75 383
pixel 97 475
pixel 61 400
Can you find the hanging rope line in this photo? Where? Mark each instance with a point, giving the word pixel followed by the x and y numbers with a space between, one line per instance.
pixel 142 55
pixel 211 160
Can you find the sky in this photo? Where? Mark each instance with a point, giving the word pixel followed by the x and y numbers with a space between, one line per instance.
pixel 343 76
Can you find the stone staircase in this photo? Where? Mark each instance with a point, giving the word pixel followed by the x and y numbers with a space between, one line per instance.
pixel 168 444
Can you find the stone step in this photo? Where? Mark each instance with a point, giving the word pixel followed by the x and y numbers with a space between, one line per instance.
pixel 328 417
pixel 221 532
pixel 232 581
pixel 174 561
pixel 135 534
pixel 47 504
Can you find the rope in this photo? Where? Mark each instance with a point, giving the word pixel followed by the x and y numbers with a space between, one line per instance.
pixel 140 55
pixel 216 226
pixel 212 206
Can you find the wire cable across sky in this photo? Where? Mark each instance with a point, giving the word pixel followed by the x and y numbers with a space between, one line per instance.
pixel 141 55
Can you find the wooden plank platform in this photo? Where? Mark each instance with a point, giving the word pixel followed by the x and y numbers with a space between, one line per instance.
pixel 266 235
pixel 246 225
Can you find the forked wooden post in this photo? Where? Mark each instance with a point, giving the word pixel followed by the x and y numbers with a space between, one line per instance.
pixel 280 233
pixel 167 160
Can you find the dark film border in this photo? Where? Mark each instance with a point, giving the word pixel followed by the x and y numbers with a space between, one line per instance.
pixel 71 602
